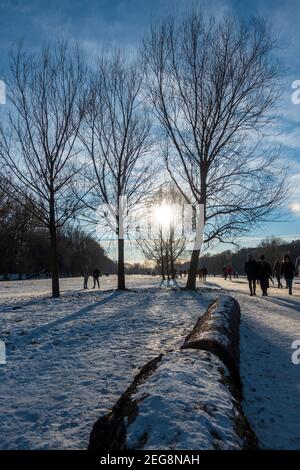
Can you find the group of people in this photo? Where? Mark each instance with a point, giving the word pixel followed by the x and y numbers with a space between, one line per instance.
pixel 228 272
pixel 202 273
pixel 261 271
pixel 95 274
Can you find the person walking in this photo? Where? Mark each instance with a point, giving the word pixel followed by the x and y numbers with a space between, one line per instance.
pixel 96 274
pixel 288 271
pixel 264 274
pixel 225 272
pixel 277 273
pixel 251 270
pixel 204 273
pixel 86 275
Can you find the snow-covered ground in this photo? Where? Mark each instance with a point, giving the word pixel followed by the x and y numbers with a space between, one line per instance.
pixel 14 290
pixel 69 359
pixel 271 381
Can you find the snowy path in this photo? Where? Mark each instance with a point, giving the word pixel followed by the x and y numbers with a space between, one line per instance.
pixel 271 381
pixel 68 360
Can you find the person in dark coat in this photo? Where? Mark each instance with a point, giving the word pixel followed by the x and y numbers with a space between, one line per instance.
pixel 251 270
pixel 264 274
pixel 288 271
pixel 204 273
pixel 86 275
pixel 277 273
pixel 96 274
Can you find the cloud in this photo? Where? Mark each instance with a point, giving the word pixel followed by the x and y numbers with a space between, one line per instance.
pixel 290 139
pixel 295 207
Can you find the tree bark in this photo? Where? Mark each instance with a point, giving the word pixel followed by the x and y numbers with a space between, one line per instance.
pixel 192 272
pixel 54 262
pixel 121 270
pixel 172 267
pixel 53 249
pixel 163 273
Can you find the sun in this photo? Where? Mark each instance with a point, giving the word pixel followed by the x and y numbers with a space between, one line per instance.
pixel 164 215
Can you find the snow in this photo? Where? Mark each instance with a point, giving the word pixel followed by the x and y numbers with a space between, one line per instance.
pixel 218 325
pixel 69 359
pixel 269 325
pixel 35 288
pixel 185 405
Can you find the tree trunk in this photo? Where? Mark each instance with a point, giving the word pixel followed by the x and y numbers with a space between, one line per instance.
pixel 168 267
pixel 54 262
pixel 121 270
pixel 172 267
pixel 53 248
pixel 192 272
pixel 163 273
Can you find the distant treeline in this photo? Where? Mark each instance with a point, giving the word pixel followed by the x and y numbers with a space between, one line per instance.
pixel 25 247
pixel 273 249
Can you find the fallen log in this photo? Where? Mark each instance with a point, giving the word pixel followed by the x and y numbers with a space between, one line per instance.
pixel 218 331
pixel 187 399
pixel 179 401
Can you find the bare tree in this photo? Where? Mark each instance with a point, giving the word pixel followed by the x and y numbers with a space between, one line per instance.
pixel 213 87
pixel 39 152
pixel 5 200
pixel 117 139
pixel 273 249
pixel 166 240
pixel 166 248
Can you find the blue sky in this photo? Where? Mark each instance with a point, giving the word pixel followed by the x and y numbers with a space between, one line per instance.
pixel 99 22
